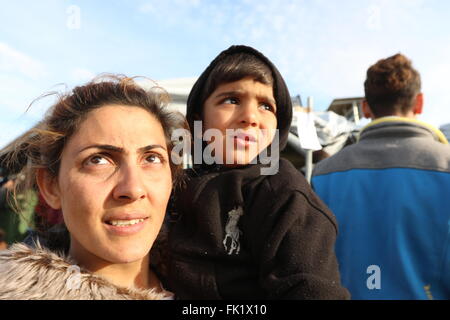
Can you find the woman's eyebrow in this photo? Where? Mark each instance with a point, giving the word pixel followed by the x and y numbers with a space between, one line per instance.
pixel 151 147
pixel 112 148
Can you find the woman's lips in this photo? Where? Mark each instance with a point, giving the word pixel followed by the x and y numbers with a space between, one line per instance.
pixel 125 227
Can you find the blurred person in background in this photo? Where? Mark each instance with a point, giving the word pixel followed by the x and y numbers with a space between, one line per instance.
pixel 16 223
pixel 389 192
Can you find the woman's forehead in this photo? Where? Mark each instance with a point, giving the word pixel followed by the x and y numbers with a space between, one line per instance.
pixel 120 126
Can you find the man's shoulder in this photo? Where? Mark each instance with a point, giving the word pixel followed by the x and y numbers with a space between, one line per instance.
pixel 344 159
pixel 404 153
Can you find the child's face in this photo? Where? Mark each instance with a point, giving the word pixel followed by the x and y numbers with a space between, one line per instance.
pixel 248 108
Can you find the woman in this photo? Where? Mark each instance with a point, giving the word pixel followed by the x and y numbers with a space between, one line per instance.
pixel 101 156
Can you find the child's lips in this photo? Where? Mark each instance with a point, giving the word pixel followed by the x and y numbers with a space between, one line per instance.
pixel 246 137
pixel 245 140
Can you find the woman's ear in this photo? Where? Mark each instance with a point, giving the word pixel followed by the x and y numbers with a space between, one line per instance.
pixel 49 189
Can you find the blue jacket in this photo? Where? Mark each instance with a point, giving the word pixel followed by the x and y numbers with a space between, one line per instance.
pixel 390 193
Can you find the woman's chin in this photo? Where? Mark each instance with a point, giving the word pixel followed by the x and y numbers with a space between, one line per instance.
pixel 112 250
pixel 126 255
pixel 125 251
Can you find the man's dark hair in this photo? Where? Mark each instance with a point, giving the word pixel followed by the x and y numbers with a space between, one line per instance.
pixel 391 86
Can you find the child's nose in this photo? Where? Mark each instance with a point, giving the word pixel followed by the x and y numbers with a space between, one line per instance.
pixel 249 115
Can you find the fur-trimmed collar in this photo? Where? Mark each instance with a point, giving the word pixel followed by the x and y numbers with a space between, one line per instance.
pixel 37 273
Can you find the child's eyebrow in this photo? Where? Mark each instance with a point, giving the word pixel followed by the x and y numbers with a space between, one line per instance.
pixel 229 93
pixel 241 93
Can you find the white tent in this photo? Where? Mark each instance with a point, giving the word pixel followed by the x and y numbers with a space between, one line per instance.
pixel 178 90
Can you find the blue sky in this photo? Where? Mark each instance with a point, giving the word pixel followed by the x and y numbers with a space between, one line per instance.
pixel 322 47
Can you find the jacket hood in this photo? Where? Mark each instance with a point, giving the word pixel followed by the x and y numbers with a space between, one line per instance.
pixel 280 91
pixel 40 274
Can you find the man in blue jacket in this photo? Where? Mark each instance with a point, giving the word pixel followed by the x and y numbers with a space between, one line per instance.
pixel 390 193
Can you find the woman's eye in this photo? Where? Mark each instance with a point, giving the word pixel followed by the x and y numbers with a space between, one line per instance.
pixel 97 160
pixel 153 158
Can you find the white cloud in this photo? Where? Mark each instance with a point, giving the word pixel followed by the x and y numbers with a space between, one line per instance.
pixel 172 12
pixel 323 48
pixel 16 94
pixel 9 131
pixel 435 87
pixel 12 60
pixel 146 8
pixel 80 75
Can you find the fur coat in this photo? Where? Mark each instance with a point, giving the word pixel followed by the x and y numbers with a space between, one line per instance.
pixel 28 273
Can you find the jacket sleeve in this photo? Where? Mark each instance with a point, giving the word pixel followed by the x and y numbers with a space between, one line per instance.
pixel 296 249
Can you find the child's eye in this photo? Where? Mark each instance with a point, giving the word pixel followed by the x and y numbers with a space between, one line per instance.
pixel 268 107
pixel 230 101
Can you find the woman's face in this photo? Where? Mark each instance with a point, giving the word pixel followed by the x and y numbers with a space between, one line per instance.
pixel 114 184
pixel 244 112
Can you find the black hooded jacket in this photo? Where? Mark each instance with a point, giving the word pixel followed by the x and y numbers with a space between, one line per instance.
pixel 243 235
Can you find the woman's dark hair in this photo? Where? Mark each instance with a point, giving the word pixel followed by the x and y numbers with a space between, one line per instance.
pixel 391 86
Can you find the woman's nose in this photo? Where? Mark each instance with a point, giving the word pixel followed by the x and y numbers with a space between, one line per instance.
pixel 130 186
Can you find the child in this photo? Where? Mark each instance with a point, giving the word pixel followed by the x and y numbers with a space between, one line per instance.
pixel 241 234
